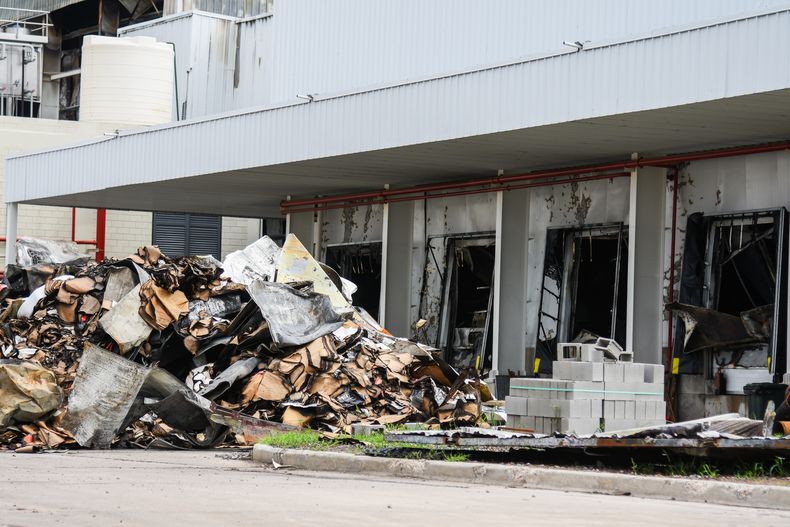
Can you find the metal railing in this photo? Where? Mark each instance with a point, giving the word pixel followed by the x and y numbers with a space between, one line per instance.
pixel 24 24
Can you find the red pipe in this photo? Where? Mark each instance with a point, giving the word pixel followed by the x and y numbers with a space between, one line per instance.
pixel 467 192
pixel 291 206
pixel 101 224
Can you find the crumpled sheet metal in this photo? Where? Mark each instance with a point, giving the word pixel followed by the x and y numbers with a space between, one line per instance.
pixel 295 264
pixel 32 251
pixel 111 391
pixel 295 318
pixel 28 392
pixel 254 262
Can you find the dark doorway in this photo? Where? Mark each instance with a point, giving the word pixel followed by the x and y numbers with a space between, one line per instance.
pixel 360 263
pixel 584 288
pixel 467 310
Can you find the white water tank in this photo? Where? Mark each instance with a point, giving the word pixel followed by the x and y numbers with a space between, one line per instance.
pixel 126 80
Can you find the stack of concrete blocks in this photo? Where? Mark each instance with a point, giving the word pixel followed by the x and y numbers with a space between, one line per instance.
pixel 594 387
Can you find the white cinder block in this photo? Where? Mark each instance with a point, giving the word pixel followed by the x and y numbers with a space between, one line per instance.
pixel 561 370
pixel 619 391
pixel 654 373
pixel 612 425
pixel 612 372
pixel 579 426
pixel 633 372
pixel 609 409
pixel 585 390
pixel 589 353
pixel 516 405
pixel 569 351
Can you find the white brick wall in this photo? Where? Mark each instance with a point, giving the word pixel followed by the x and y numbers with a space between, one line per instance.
pixel 126 230
pixel 237 233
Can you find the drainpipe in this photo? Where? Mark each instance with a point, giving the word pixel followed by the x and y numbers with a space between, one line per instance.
pixel 101 224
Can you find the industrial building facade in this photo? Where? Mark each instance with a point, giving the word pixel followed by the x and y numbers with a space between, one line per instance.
pixel 515 175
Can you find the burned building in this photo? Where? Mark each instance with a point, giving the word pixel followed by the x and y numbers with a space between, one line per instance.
pixel 541 175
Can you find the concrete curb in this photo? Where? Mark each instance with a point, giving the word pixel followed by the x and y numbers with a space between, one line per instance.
pixel 716 492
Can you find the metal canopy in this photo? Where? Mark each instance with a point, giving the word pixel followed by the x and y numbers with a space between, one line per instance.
pixel 537 113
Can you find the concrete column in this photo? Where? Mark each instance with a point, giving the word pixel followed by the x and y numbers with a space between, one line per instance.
pixel 11 210
pixel 510 281
pixel 302 225
pixel 645 263
pixel 399 235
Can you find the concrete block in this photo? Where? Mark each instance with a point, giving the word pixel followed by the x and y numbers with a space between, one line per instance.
pixel 579 426
pixel 608 409
pixel 516 405
pixel 578 371
pixel 626 391
pixel 612 372
pixel 558 408
pixel 359 429
pixel 612 425
pixel 569 351
pixel 654 373
pixel 589 353
pixel 561 370
pixel 786 378
pixel 633 372
pixel 585 390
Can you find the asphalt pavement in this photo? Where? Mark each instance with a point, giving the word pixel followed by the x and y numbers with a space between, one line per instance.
pixel 167 488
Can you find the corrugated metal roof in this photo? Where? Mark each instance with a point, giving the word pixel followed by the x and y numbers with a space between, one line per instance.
pixel 551 109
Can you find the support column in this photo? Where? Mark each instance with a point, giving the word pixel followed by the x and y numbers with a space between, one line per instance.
pixel 11 211
pixel 510 281
pixel 645 307
pixel 302 224
pixel 399 236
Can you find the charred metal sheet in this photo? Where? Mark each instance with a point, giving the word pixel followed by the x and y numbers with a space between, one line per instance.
pixel 710 330
pixel 295 318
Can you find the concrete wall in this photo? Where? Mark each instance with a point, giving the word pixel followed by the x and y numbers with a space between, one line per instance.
pixel 359 225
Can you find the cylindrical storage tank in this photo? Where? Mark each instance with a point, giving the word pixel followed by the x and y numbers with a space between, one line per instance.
pixel 126 80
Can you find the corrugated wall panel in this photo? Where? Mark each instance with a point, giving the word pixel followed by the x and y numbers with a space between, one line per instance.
pixel 326 47
pixel 666 71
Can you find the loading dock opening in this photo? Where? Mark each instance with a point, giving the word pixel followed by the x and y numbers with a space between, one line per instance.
pixel 467 308
pixel 360 263
pixel 733 287
pixel 584 288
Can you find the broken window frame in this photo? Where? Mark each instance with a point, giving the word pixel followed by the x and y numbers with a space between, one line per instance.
pixel 446 315
pixel 358 245
pixel 566 299
pixel 710 295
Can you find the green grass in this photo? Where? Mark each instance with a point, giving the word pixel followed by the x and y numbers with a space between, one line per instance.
pixel 304 439
pixel 456 457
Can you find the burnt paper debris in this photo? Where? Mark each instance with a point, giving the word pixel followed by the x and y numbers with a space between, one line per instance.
pixel 155 352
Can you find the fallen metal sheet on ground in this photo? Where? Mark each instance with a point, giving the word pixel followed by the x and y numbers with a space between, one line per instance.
pixel 110 392
pixel 491 439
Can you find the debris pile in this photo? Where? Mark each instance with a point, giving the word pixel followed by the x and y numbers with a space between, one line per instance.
pixel 153 351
